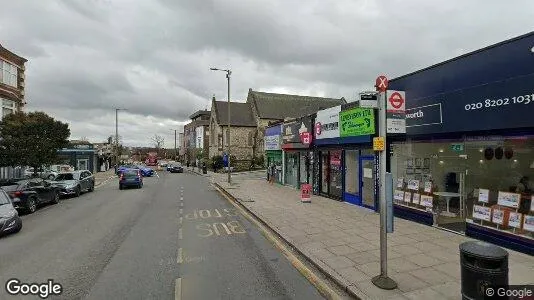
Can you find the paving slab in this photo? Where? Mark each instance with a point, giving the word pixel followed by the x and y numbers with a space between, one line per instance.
pixel 343 239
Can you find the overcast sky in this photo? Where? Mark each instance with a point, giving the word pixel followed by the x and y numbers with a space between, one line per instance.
pixel 152 57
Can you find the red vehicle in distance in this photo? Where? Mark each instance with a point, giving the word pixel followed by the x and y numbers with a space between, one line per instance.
pixel 152 159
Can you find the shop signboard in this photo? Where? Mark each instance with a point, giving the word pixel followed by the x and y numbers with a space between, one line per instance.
pixel 356 122
pixel 327 123
pixel 292 132
pixel 272 138
pixel 470 94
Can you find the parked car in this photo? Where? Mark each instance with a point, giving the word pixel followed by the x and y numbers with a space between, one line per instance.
pixel 131 177
pixel 28 194
pixel 76 182
pixel 176 168
pixel 10 221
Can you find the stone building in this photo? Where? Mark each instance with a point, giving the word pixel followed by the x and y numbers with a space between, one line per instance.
pixel 249 119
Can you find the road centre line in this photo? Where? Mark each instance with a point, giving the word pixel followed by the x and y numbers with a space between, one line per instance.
pixel 181 220
pixel 178 289
pixel 180 235
pixel 180 258
pixel 181 211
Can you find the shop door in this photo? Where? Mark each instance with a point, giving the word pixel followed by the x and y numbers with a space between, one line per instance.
pixel 367 181
pixel 449 200
pixel 83 164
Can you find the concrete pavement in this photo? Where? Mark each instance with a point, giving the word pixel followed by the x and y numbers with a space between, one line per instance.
pixel 176 238
pixel 343 240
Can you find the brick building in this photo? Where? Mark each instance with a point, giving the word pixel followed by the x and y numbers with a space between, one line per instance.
pixel 12 84
pixel 196 136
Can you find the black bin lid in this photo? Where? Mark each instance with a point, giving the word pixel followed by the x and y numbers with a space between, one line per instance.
pixel 483 249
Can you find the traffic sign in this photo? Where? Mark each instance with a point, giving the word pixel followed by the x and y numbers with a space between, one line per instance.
pixel 396 102
pixel 379 143
pixel 369 99
pixel 381 83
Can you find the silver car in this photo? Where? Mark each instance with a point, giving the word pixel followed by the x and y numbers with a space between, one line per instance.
pixel 75 182
pixel 10 221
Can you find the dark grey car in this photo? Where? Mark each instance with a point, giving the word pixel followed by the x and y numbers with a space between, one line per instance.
pixel 10 221
pixel 76 182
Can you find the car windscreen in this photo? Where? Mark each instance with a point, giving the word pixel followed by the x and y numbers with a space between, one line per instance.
pixel 4 199
pixel 10 188
pixel 66 176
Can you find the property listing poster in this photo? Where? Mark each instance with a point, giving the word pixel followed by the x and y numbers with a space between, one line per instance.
pixel 508 199
pixel 398 195
pixel 498 216
pixel 416 198
pixel 407 197
pixel 483 195
pixel 481 213
pixel 427 201
pixel 528 223
pixel 515 220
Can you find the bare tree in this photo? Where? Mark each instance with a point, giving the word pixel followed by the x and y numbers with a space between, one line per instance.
pixel 158 141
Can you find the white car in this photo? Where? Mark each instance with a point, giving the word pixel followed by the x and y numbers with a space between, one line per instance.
pixel 50 172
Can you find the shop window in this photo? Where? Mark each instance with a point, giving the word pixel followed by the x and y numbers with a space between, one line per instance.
pixel 485 181
pixel 351 172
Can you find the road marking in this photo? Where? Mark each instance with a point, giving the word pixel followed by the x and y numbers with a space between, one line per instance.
pixel 181 204
pixel 180 258
pixel 181 220
pixel 181 198
pixel 313 278
pixel 157 175
pixel 181 211
pixel 180 234
pixel 178 289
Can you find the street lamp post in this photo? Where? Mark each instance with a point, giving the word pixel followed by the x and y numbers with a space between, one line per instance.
pixel 117 138
pixel 228 73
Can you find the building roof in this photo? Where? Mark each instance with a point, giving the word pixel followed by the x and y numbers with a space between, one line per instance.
pixel 12 56
pixel 241 114
pixel 199 113
pixel 281 106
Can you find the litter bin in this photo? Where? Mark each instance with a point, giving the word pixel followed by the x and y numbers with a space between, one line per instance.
pixel 204 169
pixel 483 265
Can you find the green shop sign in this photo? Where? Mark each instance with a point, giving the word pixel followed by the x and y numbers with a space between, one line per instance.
pixel 356 121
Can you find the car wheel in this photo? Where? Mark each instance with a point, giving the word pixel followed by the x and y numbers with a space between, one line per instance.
pixel 51 176
pixel 78 191
pixel 18 227
pixel 31 206
pixel 55 198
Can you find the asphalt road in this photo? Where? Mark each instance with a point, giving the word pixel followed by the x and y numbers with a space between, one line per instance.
pixel 176 238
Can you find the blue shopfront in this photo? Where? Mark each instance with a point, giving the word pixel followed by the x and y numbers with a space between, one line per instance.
pixel 467 161
pixel 345 162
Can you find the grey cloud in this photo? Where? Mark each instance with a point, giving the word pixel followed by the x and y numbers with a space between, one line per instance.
pixel 87 57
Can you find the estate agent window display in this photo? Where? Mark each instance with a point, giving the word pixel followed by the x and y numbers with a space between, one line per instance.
pixel 485 182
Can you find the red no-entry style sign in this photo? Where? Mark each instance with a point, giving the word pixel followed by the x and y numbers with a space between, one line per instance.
pixel 396 102
pixel 381 83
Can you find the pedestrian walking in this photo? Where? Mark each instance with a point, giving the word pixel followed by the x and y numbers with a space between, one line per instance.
pixel 272 169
